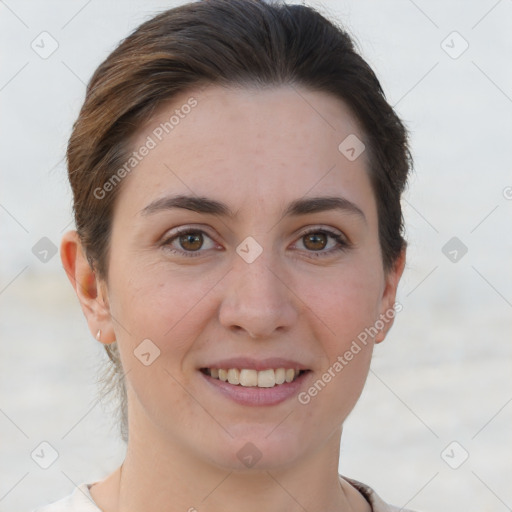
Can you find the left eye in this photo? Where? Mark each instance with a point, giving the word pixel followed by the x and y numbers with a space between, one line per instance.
pixel 322 241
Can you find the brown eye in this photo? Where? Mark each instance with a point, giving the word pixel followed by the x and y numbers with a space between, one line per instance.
pixel 315 241
pixel 322 242
pixel 191 241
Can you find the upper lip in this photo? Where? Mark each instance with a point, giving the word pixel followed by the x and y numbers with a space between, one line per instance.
pixel 256 364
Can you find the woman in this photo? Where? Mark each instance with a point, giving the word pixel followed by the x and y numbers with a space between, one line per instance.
pixel 236 174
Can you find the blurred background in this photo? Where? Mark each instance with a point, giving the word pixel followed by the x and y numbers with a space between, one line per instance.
pixel 432 430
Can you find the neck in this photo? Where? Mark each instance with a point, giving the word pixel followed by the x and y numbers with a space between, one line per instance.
pixel 167 477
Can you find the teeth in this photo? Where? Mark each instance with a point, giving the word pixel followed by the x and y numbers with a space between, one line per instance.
pixel 267 379
pixel 248 378
pixel 252 378
pixel 280 375
pixel 233 376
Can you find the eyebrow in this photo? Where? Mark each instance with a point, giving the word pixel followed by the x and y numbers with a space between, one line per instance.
pixel 298 207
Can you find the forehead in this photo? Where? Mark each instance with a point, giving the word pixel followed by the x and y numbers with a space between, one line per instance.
pixel 252 148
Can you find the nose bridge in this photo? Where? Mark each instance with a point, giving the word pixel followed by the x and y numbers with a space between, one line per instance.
pixel 256 299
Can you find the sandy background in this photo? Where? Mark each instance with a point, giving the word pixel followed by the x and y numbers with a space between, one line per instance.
pixel 444 373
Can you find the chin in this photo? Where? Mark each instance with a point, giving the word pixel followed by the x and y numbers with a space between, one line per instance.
pixel 257 449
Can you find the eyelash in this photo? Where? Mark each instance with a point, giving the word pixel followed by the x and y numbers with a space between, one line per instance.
pixel 342 243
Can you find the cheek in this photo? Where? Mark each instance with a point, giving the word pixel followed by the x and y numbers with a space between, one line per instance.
pixel 165 307
pixel 345 307
pixel 346 302
pixel 168 310
pixel 340 384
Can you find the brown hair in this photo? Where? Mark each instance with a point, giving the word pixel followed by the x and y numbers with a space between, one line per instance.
pixel 224 42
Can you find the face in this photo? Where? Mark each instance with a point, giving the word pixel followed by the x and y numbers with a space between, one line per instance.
pixel 246 241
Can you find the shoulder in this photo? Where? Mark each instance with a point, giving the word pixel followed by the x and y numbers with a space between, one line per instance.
pixel 80 500
pixel 375 501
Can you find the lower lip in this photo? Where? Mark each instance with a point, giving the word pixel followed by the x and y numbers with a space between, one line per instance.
pixel 255 396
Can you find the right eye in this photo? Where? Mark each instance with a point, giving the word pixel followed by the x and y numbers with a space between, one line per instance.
pixel 189 242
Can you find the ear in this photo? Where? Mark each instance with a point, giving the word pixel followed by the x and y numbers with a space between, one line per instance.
pixel 388 310
pixel 90 290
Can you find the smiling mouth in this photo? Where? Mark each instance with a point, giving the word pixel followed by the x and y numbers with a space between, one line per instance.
pixel 252 378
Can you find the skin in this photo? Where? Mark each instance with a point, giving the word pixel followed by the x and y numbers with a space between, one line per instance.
pixel 255 151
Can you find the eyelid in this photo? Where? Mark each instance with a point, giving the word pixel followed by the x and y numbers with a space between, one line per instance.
pixel 321 228
pixel 180 230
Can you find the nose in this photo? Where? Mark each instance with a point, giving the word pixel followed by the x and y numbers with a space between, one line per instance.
pixel 258 300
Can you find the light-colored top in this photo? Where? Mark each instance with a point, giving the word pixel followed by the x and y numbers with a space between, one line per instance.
pixel 80 500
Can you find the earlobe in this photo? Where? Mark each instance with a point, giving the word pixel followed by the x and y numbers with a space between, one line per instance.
pixel 388 309
pixel 87 287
